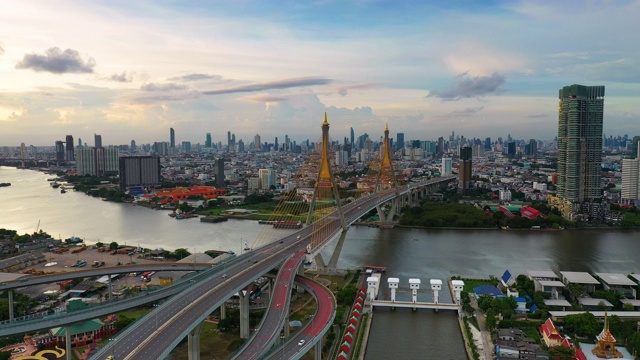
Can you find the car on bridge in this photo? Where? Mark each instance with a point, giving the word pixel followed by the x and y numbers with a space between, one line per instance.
pixel 301 342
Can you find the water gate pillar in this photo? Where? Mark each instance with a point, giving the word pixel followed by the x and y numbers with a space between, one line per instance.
pixel 194 342
pixel 436 286
pixel 244 314
pixel 458 285
pixel 372 286
pixel 414 285
pixel 393 285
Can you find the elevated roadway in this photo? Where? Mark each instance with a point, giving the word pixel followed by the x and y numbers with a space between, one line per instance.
pixel 154 336
pixel 102 271
pixel 315 329
pixel 272 321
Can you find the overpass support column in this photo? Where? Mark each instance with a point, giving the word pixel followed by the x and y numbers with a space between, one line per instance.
pixel 194 342
pixel 67 330
pixel 318 352
pixel 223 311
pixel 110 292
pixel 10 293
pixel 244 314
pixel 333 262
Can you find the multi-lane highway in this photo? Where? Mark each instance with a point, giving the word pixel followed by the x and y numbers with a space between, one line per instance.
pixel 154 336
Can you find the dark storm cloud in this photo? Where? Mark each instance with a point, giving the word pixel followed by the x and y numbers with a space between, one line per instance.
pixel 466 86
pixel 124 77
pixel 57 61
pixel 196 77
pixel 278 84
pixel 162 87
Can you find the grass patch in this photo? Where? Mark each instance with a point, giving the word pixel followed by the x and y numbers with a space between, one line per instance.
pixel 469 284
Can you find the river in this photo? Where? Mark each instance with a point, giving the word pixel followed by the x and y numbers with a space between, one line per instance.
pixel 406 253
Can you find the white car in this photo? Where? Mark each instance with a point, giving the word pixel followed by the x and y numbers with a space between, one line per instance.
pixel 298 237
pixel 301 342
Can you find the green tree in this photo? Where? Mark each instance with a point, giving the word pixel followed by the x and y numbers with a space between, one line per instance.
pixel 181 253
pixel 584 324
pixel 122 322
pixel 99 244
pixel 5 355
pixel 562 353
pixel 347 295
pixel 113 246
pixel 633 343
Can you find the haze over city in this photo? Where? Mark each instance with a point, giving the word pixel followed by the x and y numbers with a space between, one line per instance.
pixel 133 70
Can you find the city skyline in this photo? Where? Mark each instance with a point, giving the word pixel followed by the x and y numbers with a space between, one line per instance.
pixel 133 71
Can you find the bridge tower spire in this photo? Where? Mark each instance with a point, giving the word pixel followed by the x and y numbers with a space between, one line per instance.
pixel 386 165
pixel 325 180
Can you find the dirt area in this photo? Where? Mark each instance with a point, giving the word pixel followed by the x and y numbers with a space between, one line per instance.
pixel 64 261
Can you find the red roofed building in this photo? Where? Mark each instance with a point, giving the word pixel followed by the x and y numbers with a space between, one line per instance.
pixel 531 213
pixel 182 193
pixel 550 335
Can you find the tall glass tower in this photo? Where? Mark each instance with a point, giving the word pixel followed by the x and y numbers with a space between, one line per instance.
pixel 580 117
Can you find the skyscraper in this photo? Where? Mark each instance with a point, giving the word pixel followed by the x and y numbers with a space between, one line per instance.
pixel 207 141
pixel 97 140
pixel 69 151
pixel 172 138
pixel 399 141
pixel 59 150
pixel 580 117
pixel 353 138
pixel 220 171
pixel 257 144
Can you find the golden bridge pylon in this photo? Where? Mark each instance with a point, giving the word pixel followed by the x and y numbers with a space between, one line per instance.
pixel 386 180
pixel 325 202
pixel 386 177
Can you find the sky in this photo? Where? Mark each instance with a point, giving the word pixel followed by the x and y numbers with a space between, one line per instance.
pixel 130 70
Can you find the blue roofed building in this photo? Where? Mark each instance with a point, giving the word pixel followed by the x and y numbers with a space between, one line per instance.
pixel 507 280
pixel 490 290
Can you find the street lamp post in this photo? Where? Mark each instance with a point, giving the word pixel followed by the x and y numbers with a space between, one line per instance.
pixel 156 315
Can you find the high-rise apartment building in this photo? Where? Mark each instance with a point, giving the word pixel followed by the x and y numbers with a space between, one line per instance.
pixel 139 171
pixel 267 178
pixel 172 138
pixel 464 169
pixel 580 118
pixel 220 173
pixel 97 161
pixel 352 138
pixel 630 192
pixel 447 166
pixel 207 141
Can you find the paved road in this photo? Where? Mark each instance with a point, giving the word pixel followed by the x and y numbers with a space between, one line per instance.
pixel 91 272
pixel 316 328
pixel 149 339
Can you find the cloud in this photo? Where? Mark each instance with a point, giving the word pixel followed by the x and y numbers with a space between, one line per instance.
pixel 467 87
pixel 57 61
pixel 262 98
pixel 468 111
pixel 162 87
pixel 124 77
pixel 196 77
pixel 535 116
pixel 277 84
pixel 344 90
